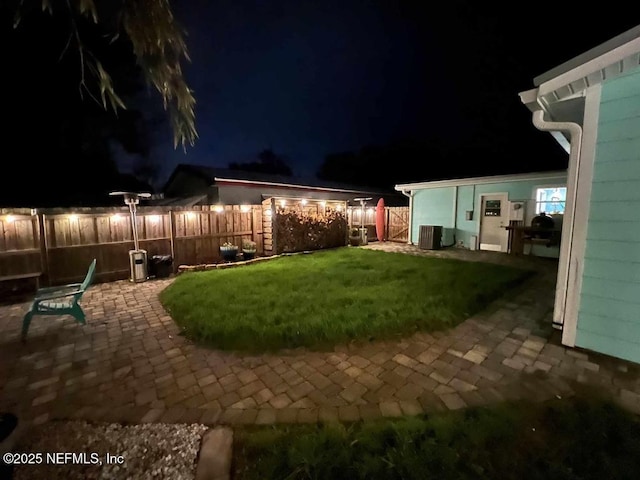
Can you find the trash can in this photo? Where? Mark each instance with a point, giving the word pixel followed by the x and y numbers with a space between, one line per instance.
pixel 160 266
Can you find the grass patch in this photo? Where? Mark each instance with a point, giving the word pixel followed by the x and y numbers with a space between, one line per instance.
pixel 564 440
pixel 331 297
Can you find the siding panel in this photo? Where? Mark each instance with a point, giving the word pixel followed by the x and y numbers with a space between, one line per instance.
pixel 608 318
pixel 626 128
pixel 610 270
pixel 613 345
pixel 620 108
pixel 606 326
pixel 432 207
pixel 625 170
pixel 617 251
pixel 617 211
pixel 625 292
pixel 616 231
pixel 623 86
pixel 628 149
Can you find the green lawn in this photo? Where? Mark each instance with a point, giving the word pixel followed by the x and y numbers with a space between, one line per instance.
pixel 564 440
pixel 330 297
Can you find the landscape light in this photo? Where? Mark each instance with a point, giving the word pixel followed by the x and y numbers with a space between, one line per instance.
pixel 218 208
pixel 283 203
pixel 73 217
pixel 191 215
pixel 245 208
pixel 116 217
pixel 154 218
pixel 323 204
pixel 303 201
pixel 9 219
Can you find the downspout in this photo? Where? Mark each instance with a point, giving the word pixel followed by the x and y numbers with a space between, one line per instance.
pixel 575 132
pixel 409 230
pixel 455 215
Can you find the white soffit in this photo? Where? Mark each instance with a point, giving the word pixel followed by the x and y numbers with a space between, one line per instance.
pixel 518 177
pixel 608 65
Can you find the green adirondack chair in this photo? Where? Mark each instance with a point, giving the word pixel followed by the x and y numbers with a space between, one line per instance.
pixel 62 300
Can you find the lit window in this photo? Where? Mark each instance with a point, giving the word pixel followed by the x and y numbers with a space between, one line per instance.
pixel 551 200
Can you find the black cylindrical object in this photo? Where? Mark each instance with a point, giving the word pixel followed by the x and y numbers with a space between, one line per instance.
pixel 160 266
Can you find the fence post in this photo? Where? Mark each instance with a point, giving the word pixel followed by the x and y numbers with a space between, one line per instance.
pixel 44 252
pixel 388 221
pixel 274 245
pixel 172 236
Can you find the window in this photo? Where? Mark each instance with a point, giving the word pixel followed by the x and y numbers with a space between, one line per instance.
pixel 551 200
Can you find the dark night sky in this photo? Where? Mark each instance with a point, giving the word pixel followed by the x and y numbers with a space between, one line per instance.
pixel 312 78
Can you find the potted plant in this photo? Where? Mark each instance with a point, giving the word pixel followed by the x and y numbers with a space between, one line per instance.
pixel 229 251
pixel 248 249
pixel 354 237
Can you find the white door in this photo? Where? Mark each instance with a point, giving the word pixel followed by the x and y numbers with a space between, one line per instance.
pixel 494 216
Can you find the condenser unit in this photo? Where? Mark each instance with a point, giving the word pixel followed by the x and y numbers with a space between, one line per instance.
pixel 430 237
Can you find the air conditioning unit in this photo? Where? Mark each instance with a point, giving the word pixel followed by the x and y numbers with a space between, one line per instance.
pixel 430 237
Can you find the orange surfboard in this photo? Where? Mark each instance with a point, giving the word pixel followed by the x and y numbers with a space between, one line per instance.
pixel 380 220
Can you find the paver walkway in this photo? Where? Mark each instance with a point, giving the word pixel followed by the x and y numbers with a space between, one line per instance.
pixel 130 364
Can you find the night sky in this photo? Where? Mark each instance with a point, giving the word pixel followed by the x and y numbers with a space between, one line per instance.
pixel 312 78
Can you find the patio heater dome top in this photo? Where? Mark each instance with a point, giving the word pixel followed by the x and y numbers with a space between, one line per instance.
pixel 131 198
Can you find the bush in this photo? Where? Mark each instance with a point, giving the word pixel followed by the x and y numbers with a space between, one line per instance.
pixel 295 232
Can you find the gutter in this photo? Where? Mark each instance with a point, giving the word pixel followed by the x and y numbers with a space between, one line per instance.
pixel 575 132
pixel 410 229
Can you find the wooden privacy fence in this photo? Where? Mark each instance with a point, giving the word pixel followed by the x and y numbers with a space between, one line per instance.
pixel 60 243
pixel 396 221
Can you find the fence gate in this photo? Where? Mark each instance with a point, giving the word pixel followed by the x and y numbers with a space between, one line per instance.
pixel 397 224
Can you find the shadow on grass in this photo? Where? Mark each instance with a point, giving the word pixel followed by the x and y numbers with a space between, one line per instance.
pixel 584 437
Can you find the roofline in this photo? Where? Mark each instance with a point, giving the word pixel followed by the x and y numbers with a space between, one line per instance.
pixel 290 185
pixel 588 56
pixel 571 78
pixel 518 177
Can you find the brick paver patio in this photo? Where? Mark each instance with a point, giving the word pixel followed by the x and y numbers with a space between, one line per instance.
pixel 130 364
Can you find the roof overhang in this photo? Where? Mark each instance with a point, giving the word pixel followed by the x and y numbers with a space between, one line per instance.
pixel 520 177
pixel 560 92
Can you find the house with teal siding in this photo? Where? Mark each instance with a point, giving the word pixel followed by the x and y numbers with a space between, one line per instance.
pixel 474 212
pixel 591 105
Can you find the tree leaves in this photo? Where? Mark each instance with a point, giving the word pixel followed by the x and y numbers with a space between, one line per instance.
pixel 159 46
pixel 86 8
pixel 157 42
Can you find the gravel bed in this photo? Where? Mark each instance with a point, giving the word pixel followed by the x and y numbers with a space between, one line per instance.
pixel 149 451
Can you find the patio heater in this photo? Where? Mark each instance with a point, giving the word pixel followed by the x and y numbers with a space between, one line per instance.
pixel 363 230
pixel 137 257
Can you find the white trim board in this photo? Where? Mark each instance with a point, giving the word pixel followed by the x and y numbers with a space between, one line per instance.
pixel 574 253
